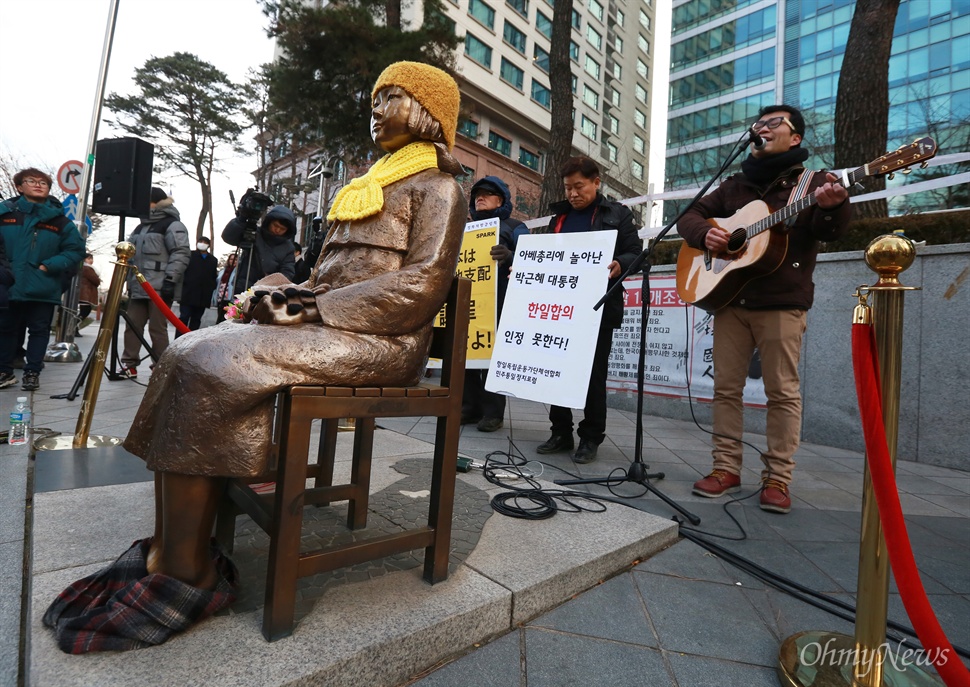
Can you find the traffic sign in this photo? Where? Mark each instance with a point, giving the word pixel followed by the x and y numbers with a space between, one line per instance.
pixel 69 176
pixel 70 211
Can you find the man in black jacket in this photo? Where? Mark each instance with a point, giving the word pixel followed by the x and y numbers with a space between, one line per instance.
pixel 586 209
pixel 198 283
pixel 490 198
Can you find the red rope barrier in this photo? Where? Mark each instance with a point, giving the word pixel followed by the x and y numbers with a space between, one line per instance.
pixel 180 326
pixel 931 635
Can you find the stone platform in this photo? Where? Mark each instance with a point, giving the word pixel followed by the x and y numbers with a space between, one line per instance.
pixel 369 625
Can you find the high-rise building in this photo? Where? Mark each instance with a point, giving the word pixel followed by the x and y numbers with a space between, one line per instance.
pixel 503 71
pixel 730 57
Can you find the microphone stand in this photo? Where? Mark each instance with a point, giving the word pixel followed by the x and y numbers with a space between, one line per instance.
pixel 638 473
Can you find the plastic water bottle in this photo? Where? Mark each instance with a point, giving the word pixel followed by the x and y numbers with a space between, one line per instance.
pixel 19 422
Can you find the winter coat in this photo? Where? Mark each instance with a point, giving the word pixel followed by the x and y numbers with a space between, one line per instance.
pixel 159 255
pixel 272 253
pixel 199 280
pixel 90 281
pixel 791 285
pixel 6 278
pixel 608 215
pixel 39 239
pixel 509 229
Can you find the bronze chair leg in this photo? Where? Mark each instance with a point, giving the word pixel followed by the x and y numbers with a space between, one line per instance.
pixel 326 454
pixel 360 473
pixel 443 476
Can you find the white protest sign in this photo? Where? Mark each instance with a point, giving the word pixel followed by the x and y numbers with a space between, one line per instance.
pixel 547 335
pixel 677 334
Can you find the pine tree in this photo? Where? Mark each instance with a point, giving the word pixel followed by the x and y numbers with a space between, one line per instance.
pixel 330 58
pixel 561 127
pixel 188 109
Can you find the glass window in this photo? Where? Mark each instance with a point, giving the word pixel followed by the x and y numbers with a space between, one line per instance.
pixel 469 128
pixel 642 69
pixel 618 44
pixel 640 119
pixel 644 20
pixel 499 144
pixel 613 152
pixel 541 94
pixel 514 37
pixel 615 97
pixel 575 84
pixel 594 38
pixel 577 20
pixel 637 169
pixel 529 159
pixel 641 93
pixel 574 51
pixel 540 58
pixel 520 6
pixel 639 144
pixel 643 44
pixel 617 70
pixel 512 74
pixel 592 67
pixel 620 17
pixel 482 12
pixel 588 127
pixel 596 9
pixel 478 51
pixel 544 25
pixel 591 97
pixel 614 124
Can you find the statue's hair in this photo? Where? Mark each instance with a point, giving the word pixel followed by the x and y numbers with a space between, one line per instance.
pixel 423 125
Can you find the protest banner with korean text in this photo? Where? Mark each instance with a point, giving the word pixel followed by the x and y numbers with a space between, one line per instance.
pixel 547 336
pixel 678 335
pixel 475 263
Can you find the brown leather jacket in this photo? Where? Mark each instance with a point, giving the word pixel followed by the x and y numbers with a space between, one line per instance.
pixel 791 285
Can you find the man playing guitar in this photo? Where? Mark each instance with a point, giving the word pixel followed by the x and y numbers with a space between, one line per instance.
pixel 769 311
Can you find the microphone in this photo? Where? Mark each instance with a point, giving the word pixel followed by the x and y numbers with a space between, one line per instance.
pixel 754 138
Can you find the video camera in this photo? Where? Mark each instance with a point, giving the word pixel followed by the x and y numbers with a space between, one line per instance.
pixel 252 206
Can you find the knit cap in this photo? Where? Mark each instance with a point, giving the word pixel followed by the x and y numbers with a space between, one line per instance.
pixel 434 88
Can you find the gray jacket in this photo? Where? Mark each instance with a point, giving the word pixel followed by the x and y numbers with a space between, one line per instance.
pixel 159 254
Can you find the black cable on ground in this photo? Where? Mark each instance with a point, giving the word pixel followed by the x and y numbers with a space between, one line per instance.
pixel 846 610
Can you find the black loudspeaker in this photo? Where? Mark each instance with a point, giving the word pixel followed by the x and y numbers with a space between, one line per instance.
pixel 123 177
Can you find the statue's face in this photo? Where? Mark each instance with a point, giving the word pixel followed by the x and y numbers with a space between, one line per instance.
pixel 389 119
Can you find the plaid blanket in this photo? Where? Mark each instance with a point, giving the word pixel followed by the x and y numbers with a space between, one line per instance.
pixel 123 607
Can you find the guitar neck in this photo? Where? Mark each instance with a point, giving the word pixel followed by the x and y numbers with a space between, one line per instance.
pixel 799 205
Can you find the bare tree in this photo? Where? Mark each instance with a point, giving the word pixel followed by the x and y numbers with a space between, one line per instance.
pixel 560 84
pixel 862 101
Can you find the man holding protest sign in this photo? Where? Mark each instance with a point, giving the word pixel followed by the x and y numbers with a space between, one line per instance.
pixel 586 209
pixel 490 198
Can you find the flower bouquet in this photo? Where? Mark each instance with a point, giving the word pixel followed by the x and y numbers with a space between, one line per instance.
pixel 238 308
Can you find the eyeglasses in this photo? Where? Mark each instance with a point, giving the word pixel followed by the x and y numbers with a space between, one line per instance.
pixel 35 182
pixel 772 123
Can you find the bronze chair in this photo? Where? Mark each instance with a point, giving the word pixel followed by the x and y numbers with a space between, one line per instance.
pixel 280 514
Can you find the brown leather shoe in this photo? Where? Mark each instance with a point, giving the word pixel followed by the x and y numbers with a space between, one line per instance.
pixel 774 497
pixel 718 483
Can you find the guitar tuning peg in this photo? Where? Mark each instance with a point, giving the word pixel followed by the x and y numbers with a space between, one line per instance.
pixel 858 187
pixel 892 175
pixel 907 170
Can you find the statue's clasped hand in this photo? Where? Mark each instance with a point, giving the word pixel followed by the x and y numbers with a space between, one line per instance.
pixel 287 304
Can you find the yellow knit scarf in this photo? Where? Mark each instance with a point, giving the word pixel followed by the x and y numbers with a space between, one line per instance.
pixel 364 196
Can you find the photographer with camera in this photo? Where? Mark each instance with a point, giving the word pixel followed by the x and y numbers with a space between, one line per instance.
pixel 161 254
pixel 263 249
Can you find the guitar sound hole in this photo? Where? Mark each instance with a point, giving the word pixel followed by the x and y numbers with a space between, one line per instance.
pixel 736 241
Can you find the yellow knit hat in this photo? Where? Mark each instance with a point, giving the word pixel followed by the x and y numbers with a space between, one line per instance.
pixel 434 88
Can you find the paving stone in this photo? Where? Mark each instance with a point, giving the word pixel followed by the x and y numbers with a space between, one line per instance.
pixel 700 671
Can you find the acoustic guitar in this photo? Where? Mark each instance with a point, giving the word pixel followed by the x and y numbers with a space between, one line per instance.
pixel 755 247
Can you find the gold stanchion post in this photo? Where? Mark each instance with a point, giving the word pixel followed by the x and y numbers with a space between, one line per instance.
pixel 109 319
pixel 832 659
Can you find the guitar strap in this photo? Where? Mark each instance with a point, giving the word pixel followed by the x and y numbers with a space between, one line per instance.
pixel 804 181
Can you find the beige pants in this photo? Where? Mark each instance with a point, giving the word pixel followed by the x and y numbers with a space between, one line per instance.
pixel 140 311
pixel 777 334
